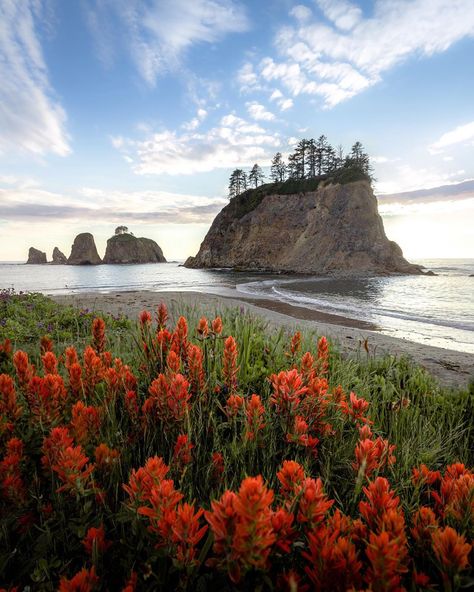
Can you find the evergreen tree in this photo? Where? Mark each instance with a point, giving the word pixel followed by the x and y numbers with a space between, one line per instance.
pixel 301 153
pixel 311 159
pixel 278 169
pixel 359 158
pixel 256 176
pixel 321 154
pixel 237 182
pixel 330 163
pixel 339 157
pixel 293 166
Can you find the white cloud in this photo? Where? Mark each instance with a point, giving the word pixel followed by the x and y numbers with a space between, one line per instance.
pixel 194 123
pixel 31 118
pixel 247 78
pixel 461 134
pixel 258 112
pixel 301 12
pixel 234 142
pixel 285 104
pixel 346 52
pixel 158 33
pixel 405 177
pixel 345 15
pixel 276 94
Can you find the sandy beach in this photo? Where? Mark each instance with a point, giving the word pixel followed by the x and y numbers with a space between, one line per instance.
pixel 451 368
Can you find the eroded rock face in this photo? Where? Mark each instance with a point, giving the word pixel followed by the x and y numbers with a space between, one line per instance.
pixel 84 251
pixel 36 257
pixel 126 248
pixel 59 258
pixel 336 228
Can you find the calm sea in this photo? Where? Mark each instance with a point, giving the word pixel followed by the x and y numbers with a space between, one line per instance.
pixel 436 310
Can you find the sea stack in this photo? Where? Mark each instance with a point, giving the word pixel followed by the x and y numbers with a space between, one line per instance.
pixel 126 248
pixel 59 258
pixel 36 257
pixel 335 228
pixel 84 251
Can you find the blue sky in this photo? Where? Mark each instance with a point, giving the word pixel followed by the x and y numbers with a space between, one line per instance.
pixel 136 111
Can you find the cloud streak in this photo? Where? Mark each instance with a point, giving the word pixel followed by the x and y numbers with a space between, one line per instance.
pixel 340 52
pixel 460 135
pixel 158 33
pixel 32 119
pixel 234 142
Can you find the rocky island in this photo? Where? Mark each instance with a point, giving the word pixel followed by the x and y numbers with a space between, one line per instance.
pixel 316 226
pixel 36 257
pixel 123 248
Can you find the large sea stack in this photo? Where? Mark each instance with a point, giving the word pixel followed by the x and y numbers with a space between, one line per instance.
pixel 126 248
pixel 84 251
pixel 36 257
pixel 328 228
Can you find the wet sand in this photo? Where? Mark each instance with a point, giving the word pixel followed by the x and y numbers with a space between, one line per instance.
pixel 451 368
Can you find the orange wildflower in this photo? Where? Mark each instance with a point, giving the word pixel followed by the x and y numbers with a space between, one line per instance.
pixel 386 570
pixel 47 397
pixel 186 534
pixel 84 581
pixel 85 422
pixel 95 539
pixel 380 499
pixel 254 412
pixel 8 403
pixel 98 335
pixel 93 370
pixel 183 451
pixel 46 344
pixel 323 356
pixel 307 368
pixel 422 475
pixel 451 550
pixel 53 445
pixel 356 409
pixel 143 480
pixel 195 369
pixel 229 365
pixel 50 363
pixel 131 585
pixel 424 524
pixel 75 379
pixel 372 455
pixel 12 487
pixel 313 503
pixel 203 327
pixel 71 357
pixel 161 511
pixel 299 435
pixel 291 477
pixel 162 315
pixel 218 466
pixel 145 319
pixel 233 405
pixel 217 325
pixel 287 390
pixel 295 345
pixel 24 370
pixel 173 362
pixel 73 470
pixel 281 522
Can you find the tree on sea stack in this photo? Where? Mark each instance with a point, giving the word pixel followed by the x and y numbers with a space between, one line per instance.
pixel 237 182
pixel 359 158
pixel 278 169
pixel 256 176
pixel 121 230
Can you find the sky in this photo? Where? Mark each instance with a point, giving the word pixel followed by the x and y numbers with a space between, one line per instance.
pixel 135 112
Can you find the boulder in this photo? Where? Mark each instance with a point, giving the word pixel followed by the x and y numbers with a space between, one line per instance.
pixel 126 248
pixel 36 257
pixel 335 228
pixel 84 251
pixel 59 258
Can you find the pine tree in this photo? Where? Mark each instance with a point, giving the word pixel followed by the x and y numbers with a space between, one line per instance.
pixel 311 159
pixel 321 153
pixel 256 176
pixel 237 182
pixel 301 152
pixel 278 169
pixel 359 158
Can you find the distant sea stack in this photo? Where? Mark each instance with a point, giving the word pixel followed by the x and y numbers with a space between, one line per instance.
pixel 59 258
pixel 318 228
pixel 36 257
pixel 126 248
pixel 84 251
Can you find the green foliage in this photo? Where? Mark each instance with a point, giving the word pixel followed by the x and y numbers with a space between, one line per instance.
pixel 26 317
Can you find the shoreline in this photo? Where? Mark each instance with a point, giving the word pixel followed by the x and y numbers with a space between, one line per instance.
pixel 451 368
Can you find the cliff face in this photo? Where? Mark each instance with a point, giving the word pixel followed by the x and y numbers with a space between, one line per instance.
pixel 335 228
pixel 126 248
pixel 35 256
pixel 84 251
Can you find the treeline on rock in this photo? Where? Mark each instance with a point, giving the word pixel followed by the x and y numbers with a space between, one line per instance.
pixel 311 160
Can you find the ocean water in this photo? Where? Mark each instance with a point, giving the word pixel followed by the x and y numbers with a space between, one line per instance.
pixel 437 310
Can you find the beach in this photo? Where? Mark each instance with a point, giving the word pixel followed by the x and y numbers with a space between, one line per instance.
pixel 452 368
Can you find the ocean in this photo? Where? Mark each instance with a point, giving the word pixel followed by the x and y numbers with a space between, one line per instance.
pixel 436 310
